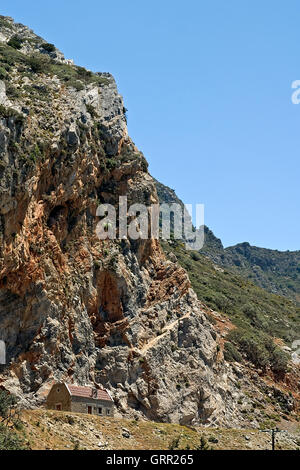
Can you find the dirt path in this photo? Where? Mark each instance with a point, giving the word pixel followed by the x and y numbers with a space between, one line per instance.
pixel 165 330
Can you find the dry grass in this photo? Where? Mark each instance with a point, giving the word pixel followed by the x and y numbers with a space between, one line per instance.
pixel 68 431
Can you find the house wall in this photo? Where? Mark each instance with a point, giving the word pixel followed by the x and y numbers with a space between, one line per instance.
pixel 59 395
pixel 80 405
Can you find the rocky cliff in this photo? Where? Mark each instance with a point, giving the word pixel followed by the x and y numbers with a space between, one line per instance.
pixel 74 308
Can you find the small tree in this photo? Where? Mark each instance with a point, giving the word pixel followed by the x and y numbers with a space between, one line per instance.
pixel 175 443
pixel 7 407
pixel 203 445
pixel 9 439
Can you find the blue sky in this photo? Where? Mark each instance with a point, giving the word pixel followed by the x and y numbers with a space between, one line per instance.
pixel 207 85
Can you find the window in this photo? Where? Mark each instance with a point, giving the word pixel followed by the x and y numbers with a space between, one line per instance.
pixel 58 390
pixel 108 412
pixel 100 411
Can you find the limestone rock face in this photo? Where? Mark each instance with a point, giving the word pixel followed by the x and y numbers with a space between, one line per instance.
pixel 74 308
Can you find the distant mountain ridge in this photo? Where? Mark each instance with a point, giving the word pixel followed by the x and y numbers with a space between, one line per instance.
pixel 276 271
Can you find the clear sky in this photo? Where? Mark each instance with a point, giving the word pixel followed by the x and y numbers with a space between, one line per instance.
pixel 207 85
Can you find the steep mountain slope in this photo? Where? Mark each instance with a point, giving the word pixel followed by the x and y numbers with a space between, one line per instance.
pixel 256 326
pixel 256 313
pixel 113 313
pixel 72 307
pixel 276 271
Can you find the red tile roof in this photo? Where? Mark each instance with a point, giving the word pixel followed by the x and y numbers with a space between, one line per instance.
pixel 87 392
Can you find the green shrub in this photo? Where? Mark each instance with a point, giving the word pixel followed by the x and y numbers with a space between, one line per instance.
pixel 250 311
pixel 10 57
pixel 12 91
pixel 19 426
pixel 253 347
pixel 75 84
pixel 4 23
pixel 39 64
pixel 203 444
pixel 219 301
pixel 7 402
pixel 3 73
pixel 279 360
pixel 11 113
pixel 48 47
pixel 256 318
pixel 82 72
pixel 231 354
pixel 260 349
pixel 15 42
pixel 175 443
pixel 196 256
pixel 36 153
pixel 9 440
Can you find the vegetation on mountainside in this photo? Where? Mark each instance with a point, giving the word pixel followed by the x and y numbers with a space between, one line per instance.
pixel 203 444
pixel 273 270
pixel 48 47
pixel 15 42
pixel 14 66
pixel 72 75
pixel 9 424
pixel 4 23
pixel 258 315
pixel 10 113
pixel 276 271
